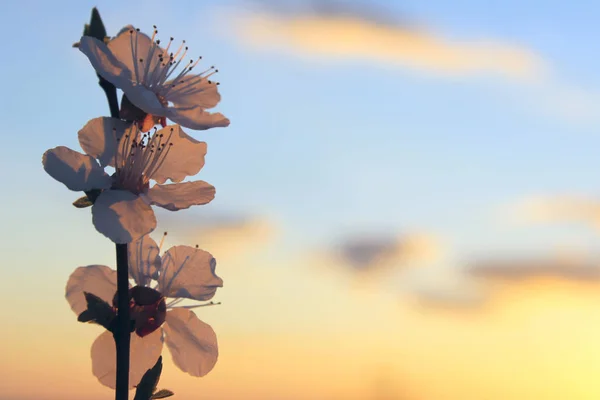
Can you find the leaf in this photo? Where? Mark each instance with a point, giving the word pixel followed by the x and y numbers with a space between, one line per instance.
pixel 90 195
pixel 98 311
pixel 97 30
pixel 96 27
pixel 162 394
pixel 83 202
pixel 149 381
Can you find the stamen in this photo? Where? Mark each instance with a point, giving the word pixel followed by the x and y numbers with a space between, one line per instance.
pixel 149 59
pixel 162 240
pixel 201 305
pixel 134 53
pixel 166 288
pixel 175 301
pixel 157 162
pixel 178 300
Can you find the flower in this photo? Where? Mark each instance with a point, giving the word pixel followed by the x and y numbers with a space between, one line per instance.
pixel 122 209
pixel 136 64
pixel 183 272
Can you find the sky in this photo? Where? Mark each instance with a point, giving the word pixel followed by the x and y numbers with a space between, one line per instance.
pixel 407 202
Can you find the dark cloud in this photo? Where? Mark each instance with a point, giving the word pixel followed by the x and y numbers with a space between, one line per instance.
pixel 528 269
pixel 365 252
pixel 363 10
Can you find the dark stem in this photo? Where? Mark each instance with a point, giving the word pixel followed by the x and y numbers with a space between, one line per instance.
pixel 122 333
pixel 111 95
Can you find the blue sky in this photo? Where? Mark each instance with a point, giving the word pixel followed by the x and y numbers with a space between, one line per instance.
pixel 327 147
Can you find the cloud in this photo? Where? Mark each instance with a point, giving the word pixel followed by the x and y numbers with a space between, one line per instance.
pixel 227 237
pixel 557 209
pixel 349 31
pixel 375 253
pixel 476 284
pixel 576 268
pixel 449 297
pixel 336 35
pixel 442 286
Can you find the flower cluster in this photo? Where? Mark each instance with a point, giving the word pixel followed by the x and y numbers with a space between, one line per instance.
pixel 130 162
pixel 160 285
pixel 121 209
pixel 146 73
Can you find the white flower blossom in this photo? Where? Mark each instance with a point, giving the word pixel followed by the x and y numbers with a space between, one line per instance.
pixel 183 272
pixel 146 72
pixel 122 210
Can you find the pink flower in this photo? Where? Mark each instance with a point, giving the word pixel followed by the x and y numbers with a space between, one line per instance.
pixel 146 73
pixel 122 210
pixel 183 272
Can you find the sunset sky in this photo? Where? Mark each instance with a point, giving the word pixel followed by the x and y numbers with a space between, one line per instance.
pixel 407 206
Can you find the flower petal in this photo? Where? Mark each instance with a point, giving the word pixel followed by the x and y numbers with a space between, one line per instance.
pixel 188 272
pixel 105 63
pixel 122 216
pixel 193 343
pixel 122 50
pixel 145 99
pixel 185 157
pixel 196 118
pixel 79 172
pixel 99 138
pixel 144 260
pixel 179 196
pixel 193 90
pixel 143 355
pixel 99 280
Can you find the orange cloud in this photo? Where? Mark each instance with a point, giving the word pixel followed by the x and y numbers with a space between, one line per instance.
pixel 557 209
pixel 343 37
pixel 564 268
pixel 226 239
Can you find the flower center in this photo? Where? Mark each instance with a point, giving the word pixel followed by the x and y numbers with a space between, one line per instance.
pixel 158 65
pixel 138 157
pixel 147 308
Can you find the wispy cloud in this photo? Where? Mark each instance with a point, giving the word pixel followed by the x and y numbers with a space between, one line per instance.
pixel 571 268
pixel 346 31
pixel 445 287
pixel 340 36
pixel 541 209
pixel 227 237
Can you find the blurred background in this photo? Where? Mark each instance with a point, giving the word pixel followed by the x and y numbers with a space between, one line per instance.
pixel 407 198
